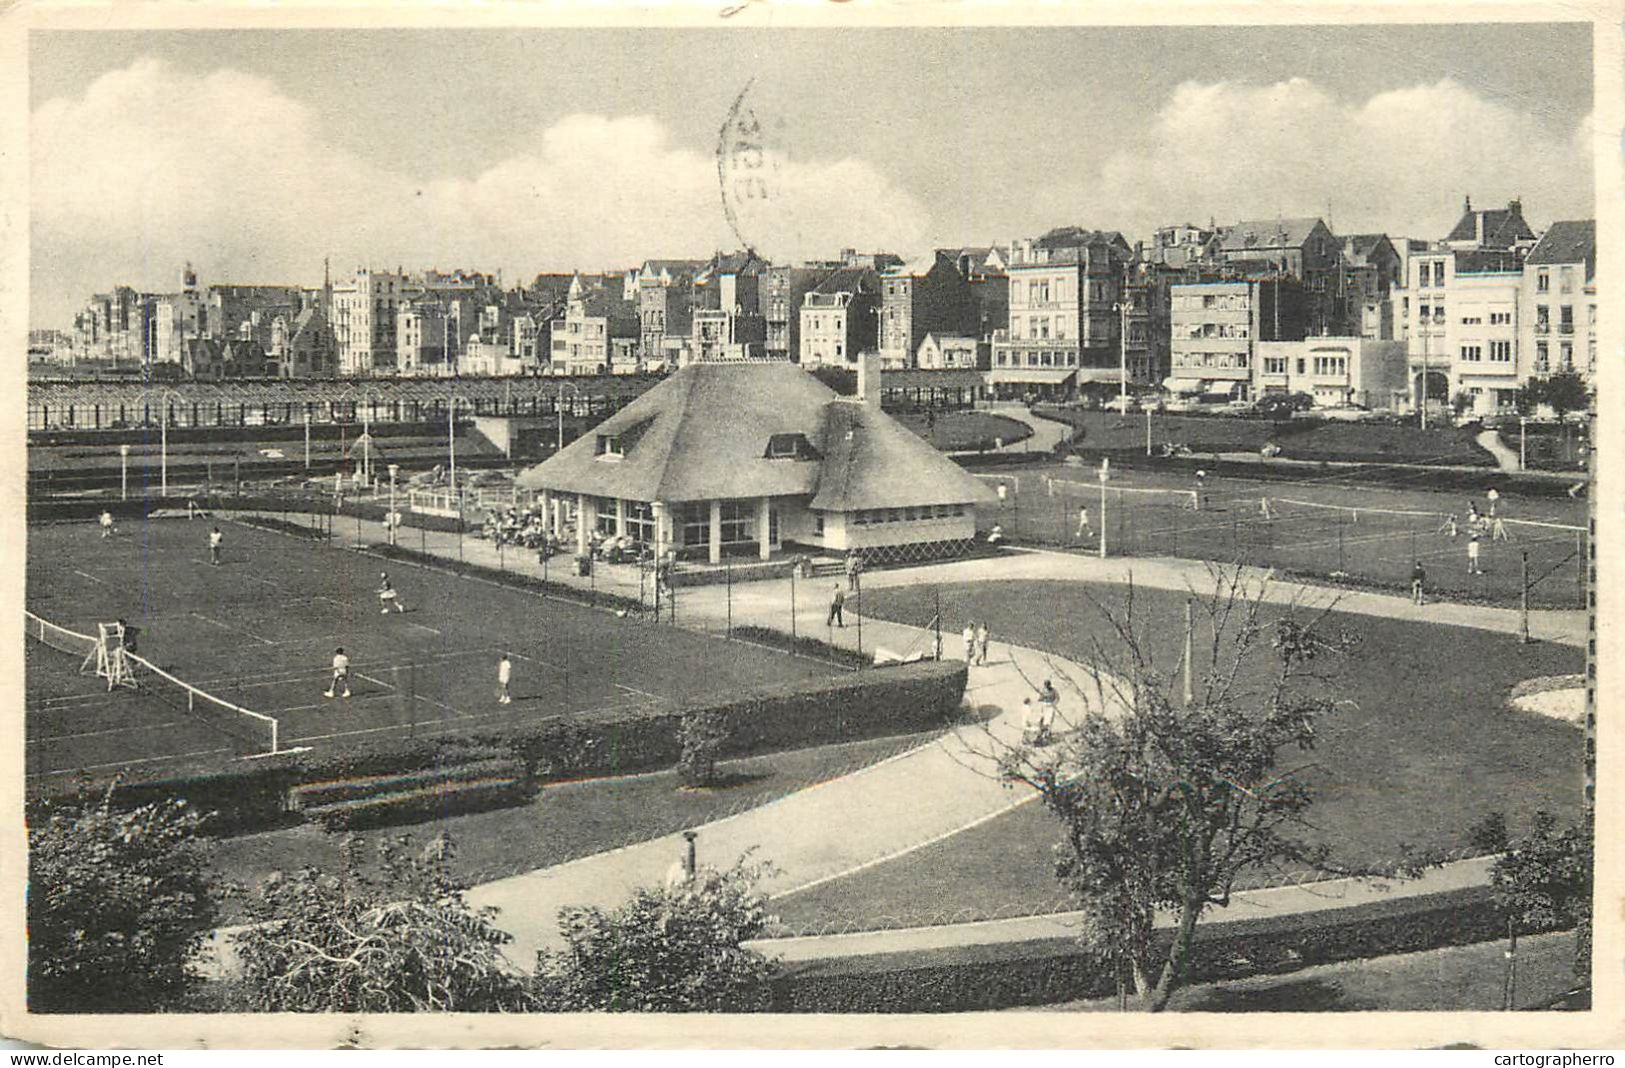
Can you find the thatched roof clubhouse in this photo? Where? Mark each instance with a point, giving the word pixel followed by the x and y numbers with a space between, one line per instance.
pixel 750 458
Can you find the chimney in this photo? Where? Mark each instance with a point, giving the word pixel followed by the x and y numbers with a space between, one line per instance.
pixel 869 378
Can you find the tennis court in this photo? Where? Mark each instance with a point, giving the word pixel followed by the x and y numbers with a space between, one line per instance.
pixel 1321 527
pixel 258 631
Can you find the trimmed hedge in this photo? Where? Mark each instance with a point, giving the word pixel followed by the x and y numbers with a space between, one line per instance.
pixel 442 799
pixel 252 795
pixel 316 794
pixel 801 645
pixel 975 978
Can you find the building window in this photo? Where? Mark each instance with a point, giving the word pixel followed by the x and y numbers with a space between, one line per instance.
pixel 1566 355
pixel 1500 352
pixel 818 524
pixel 1331 365
pixel 1542 358
pixel 1565 320
pixel 1500 318
pixel 1275 365
pixel 1472 353
pixel 695 518
pixel 1543 282
pixel 737 522
pixel 1543 319
pixel 640 521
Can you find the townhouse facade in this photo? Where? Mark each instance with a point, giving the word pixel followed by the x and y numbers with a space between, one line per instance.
pixel 838 318
pixel 1300 248
pixel 364 320
pixel 1215 327
pixel 1558 321
pixel 928 295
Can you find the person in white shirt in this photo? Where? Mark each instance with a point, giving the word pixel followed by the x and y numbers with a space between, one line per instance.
pixel 341 673
pixel 970 642
pixel 215 538
pixel 504 676
pixel 387 595
pixel 108 529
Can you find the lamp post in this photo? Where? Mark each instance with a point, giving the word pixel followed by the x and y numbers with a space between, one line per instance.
pixel 558 405
pixel 1105 476
pixel 163 435
pixel 1122 354
pixel 307 438
pixel 123 472
pixel 393 520
pixel 451 441
pixel 1523 455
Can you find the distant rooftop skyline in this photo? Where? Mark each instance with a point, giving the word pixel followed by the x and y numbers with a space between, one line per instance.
pixel 254 154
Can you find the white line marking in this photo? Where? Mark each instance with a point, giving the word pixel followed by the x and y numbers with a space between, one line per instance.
pixel 641 693
pixel 422 626
pixel 124 763
pixel 91 577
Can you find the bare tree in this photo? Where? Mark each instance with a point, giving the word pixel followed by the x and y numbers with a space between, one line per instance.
pixel 1166 799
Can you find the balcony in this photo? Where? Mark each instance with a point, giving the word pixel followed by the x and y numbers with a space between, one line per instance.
pixel 1565 328
pixel 1543 328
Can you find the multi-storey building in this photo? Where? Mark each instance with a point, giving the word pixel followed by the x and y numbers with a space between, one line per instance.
pixel 1495 228
pixel 1214 327
pixel 303 346
pixel 245 313
pixel 598 332
pixel 665 298
pixel 1304 249
pixel 926 296
pixel 364 320
pixel 1464 326
pixel 1065 320
pixel 425 332
pixel 1558 314
pixel 783 289
pixel 838 318
pixel 1333 370
pixel 943 352
pixel 1372 272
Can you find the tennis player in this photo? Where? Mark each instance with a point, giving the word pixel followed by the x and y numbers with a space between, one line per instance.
pixel 215 538
pixel 341 673
pixel 387 595
pixel 108 530
pixel 504 677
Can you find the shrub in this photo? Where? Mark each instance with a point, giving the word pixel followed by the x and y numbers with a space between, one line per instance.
pixel 310 795
pixel 449 798
pixel 703 734
pixel 801 645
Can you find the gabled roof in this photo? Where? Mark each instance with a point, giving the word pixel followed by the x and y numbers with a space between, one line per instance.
pixel 1571 241
pixel 1267 233
pixel 1361 246
pixel 1078 237
pixel 849 280
pixel 1502 226
pixel 704 432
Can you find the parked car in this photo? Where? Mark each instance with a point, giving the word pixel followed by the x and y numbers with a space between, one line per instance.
pixel 1179 403
pixel 1122 404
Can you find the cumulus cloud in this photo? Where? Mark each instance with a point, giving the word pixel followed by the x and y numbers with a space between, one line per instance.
pixel 152 167
pixel 1398 162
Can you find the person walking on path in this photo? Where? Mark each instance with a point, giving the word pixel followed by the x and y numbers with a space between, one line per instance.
pixel 981 643
pixel 341 673
pixel 504 676
pixel 215 538
pixel 854 564
pixel 837 602
pixel 1418 578
pixel 1472 555
pixel 969 634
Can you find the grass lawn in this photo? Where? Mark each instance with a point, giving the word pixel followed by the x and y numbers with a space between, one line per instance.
pixel 1299 439
pixel 965 431
pixel 1423 747
pixel 1454 979
pixel 569 820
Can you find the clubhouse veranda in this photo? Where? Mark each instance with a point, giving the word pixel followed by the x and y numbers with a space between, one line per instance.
pixel 754 459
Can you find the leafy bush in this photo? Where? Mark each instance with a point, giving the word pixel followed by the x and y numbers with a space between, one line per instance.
pixel 118 903
pixel 703 734
pixel 673 949
pixel 401 940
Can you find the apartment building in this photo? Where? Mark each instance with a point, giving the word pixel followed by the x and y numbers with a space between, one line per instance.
pixel 1065 325
pixel 1465 325
pixel 1301 248
pixel 1334 370
pixel 925 296
pixel 1214 327
pixel 838 318
pixel 1558 302
pixel 597 334
pixel 365 311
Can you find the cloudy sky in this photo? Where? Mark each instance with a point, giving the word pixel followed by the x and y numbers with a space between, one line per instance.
pixel 255 153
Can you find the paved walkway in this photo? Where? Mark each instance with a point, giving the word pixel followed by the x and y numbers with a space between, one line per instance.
pixel 1490 441
pixel 1244 905
pixel 1046 432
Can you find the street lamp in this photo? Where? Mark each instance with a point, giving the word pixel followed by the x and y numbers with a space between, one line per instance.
pixel 1122 353
pixel 1105 476
pixel 163 434
pixel 559 407
pixel 394 520
pixel 1523 455
pixel 123 472
pixel 451 439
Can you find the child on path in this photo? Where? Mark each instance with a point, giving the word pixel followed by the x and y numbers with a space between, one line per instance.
pixel 969 635
pixel 981 644
pixel 341 673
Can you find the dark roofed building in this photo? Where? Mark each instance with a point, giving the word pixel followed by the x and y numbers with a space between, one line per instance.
pixel 752 457
pixel 1573 241
pixel 1495 228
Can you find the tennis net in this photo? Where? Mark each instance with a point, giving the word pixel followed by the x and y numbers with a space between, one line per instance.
pixel 1132 496
pixel 255 729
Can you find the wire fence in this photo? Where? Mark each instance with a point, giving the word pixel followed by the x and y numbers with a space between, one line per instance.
pixel 1345 544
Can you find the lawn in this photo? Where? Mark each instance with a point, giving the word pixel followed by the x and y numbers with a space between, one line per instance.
pixel 260 629
pixel 1317 526
pixel 965 431
pixel 1453 979
pixel 1423 746
pixel 1304 439
pixel 570 820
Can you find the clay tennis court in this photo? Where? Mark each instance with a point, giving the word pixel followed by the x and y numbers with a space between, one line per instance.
pixel 259 631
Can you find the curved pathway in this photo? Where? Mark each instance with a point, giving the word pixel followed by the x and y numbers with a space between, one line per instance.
pixel 1490 441
pixel 1046 433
